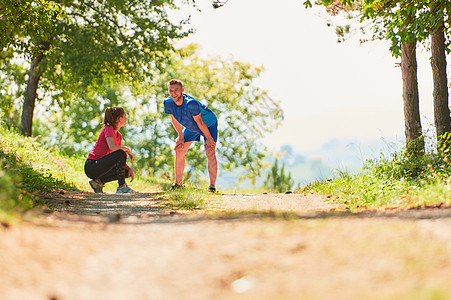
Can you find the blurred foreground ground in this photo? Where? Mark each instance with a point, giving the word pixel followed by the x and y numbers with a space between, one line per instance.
pixel 277 246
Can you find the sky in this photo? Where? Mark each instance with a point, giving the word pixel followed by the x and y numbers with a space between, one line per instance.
pixel 327 90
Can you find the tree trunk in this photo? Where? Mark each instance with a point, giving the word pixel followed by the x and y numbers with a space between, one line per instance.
pixel 410 97
pixel 31 90
pixel 442 117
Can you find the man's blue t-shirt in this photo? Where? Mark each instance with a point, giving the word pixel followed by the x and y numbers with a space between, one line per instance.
pixel 190 107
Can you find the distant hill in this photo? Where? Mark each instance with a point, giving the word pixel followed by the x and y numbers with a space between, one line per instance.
pixel 334 156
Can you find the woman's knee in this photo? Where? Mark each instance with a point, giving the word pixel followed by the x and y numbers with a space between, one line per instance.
pixel 121 156
pixel 121 153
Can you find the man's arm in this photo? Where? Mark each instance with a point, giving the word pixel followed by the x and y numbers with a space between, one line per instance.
pixel 210 141
pixel 180 139
pixel 177 126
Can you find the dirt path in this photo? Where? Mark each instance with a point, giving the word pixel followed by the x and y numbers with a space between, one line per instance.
pixel 279 246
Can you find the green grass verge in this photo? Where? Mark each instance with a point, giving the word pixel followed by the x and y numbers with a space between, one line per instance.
pixel 190 197
pixel 401 181
pixel 27 168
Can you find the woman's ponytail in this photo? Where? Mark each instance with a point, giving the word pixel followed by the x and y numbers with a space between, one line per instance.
pixel 112 114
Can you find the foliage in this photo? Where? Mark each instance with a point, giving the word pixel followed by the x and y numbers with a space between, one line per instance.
pixel 277 180
pixel 109 40
pixel 35 168
pixel 244 111
pixel 404 23
pixel 396 21
pixel 26 168
pixel 11 83
pixel 400 21
pixel 408 166
pixel 11 196
pixel 219 3
pixel 400 181
pixel 27 18
pixel 74 46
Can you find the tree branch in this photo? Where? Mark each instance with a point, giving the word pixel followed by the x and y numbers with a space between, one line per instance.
pixel 219 3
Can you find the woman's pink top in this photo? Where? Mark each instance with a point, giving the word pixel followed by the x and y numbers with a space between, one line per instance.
pixel 101 146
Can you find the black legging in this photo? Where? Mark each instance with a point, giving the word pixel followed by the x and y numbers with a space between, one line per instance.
pixel 108 168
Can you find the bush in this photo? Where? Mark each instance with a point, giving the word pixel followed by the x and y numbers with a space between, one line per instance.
pixel 12 198
pixel 407 178
pixel 412 166
pixel 27 168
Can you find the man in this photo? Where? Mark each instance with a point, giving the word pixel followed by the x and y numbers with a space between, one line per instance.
pixel 198 120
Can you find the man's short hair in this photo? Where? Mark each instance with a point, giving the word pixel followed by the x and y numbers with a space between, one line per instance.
pixel 175 81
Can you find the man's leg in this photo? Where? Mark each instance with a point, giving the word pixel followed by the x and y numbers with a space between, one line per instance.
pixel 212 164
pixel 179 163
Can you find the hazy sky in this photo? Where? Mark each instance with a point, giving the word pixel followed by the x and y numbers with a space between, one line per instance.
pixel 326 89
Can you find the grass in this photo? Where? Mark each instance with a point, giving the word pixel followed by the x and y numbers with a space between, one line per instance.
pixel 27 169
pixel 40 169
pixel 190 197
pixel 401 181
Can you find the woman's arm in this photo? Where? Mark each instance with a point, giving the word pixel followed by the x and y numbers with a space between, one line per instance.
pixel 113 147
pixel 130 171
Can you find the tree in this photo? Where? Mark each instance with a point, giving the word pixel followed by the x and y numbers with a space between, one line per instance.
pixel 277 180
pixel 442 117
pixel 425 19
pixel 227 86
pixel 411 100
pixel 124 39
pixel 421 20
pixel 404 23
pixel 245 112
pixel 27 18
pixel 219 3
pixel 25 28
pixel 11 89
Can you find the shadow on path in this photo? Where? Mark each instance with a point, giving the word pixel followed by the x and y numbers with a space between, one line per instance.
pixel 92 207
pixel 148 208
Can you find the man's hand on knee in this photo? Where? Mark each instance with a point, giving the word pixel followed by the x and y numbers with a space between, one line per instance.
pixel 210 144
pixel 179 146
pixel 179 142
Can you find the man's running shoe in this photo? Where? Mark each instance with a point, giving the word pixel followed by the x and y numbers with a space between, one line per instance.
pixel 176 186
pixel 212 189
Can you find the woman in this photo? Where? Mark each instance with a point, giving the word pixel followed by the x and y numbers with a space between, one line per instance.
pixel 108 159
